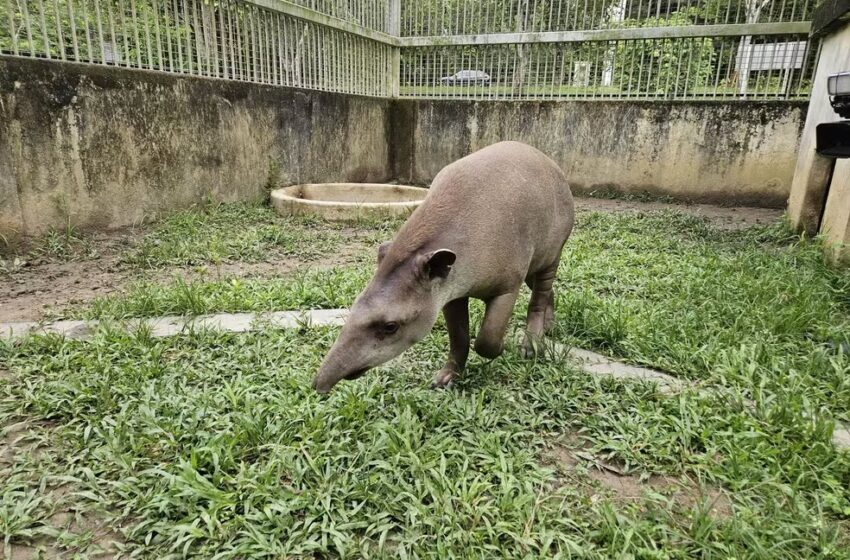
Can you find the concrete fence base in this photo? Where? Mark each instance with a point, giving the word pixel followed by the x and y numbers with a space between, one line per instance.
pixel 100 147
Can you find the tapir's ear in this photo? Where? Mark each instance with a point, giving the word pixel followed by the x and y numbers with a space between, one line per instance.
pixel 382 250
pixel 437 264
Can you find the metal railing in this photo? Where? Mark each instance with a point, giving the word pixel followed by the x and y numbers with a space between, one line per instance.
pixel 257 42
pixel 470 49
pixel 371 14
pixel 434 18
pixel 614 49
pixel 642 68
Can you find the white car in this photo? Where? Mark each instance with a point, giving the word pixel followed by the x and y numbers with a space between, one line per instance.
pixel 467 77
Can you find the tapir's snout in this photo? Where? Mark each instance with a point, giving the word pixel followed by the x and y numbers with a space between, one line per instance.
pixel 321 385
pixel 338 365
pixel 325 381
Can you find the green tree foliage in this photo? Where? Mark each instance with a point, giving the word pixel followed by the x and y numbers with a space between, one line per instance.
pixel 130 32
pixel 664 66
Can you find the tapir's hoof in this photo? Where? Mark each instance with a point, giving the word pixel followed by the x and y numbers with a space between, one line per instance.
pixel 530 348
pixel 443 379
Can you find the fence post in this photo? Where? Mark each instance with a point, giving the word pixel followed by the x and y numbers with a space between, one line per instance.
pixel 394 29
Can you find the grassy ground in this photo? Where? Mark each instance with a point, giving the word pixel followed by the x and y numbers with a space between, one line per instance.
pixel 238 232
pixel 213 445
pixel 578 92
pixel 219 242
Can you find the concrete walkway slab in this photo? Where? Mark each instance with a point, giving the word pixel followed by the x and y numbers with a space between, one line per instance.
pixel 174 325
pixel 603 365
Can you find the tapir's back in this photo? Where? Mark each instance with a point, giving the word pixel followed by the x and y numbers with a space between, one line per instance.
pixel 505 178
pixel 505 208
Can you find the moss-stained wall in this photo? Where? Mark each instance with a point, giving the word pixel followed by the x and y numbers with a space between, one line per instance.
pixel 726 152
pixel 105 147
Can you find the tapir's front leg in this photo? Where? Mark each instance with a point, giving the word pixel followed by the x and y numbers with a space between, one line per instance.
pixel 457 323
pixel 491 337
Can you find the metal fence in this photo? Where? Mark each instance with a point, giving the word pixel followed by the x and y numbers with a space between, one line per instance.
pixel 471 49
pixel 434 18
pixel 372 14
pixel 614 49
pixel 757 67
pixel 268 41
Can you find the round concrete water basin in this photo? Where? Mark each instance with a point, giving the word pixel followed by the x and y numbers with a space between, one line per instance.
pixel 347 201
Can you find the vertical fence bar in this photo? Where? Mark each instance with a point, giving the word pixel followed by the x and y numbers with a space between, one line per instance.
pixel 45 39
pixel 60 39
pixel 10 12
pixel 87 27
pixel 148 43
pixel 28 24
pixel 72 22
pixel 113 44
pixel 160 64
pixel 393 26
pixel 121 19
pixel 138 42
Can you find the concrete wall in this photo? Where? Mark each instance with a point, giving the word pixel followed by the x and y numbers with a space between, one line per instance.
pixel 820 195
pixel 105 147
pixel 732 152
pixel 102 147
pixel 835 226
pixel 813 172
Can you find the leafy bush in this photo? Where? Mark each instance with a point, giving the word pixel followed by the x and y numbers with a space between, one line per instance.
pixel 664 66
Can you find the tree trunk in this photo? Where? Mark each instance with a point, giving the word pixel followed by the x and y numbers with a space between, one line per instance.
pixel 521 50
pixel 616 14
pixel 745 54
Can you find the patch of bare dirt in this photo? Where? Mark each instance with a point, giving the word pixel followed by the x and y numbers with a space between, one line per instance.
pixel 35 284
pixel 32 292
pixel 733 217
pixel 346 254
pixel 39 289
pixel 623 487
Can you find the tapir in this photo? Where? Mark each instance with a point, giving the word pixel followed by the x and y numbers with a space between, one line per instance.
pixel 490 221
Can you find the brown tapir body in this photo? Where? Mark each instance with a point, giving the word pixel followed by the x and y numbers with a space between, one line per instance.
pixel 491 221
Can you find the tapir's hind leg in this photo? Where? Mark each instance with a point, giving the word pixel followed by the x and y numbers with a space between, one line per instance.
pixel 491 337
pixel 457 323
pixel 549 319
pixel 541 309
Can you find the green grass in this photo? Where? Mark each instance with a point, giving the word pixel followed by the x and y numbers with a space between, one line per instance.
pixel 243 232
pixel 464 91
pixel 610 193
pixel 57 245
pixel 663 289
pixel 227 232
pixel 727 307
pixel 214 446
pixel 615 92
pixel 307 289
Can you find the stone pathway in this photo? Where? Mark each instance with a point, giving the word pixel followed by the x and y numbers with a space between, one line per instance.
pixel 172 325
pixel 591 362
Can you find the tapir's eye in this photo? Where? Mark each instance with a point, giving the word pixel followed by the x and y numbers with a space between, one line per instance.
pixel 390 327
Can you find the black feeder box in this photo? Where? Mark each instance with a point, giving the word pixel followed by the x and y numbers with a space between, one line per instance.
pixel 833 139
